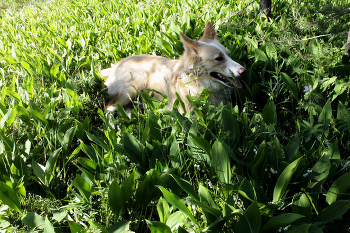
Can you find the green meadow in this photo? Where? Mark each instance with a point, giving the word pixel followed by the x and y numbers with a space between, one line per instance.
pixel 274 159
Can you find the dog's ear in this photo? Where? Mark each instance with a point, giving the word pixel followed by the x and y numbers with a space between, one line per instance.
pixel 189 44
pixel 209 33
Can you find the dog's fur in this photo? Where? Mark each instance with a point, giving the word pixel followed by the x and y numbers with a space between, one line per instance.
pixel 204 64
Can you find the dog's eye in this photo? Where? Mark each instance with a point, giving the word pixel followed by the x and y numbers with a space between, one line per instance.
pixel 219 58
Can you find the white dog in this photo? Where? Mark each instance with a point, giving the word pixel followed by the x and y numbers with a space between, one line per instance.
pixel 204 64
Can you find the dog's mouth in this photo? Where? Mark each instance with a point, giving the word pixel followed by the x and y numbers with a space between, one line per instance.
pixel 227 80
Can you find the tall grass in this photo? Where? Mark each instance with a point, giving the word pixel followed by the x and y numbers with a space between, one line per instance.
pixel 274 159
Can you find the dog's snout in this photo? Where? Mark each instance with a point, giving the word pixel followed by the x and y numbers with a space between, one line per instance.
pixel 242 71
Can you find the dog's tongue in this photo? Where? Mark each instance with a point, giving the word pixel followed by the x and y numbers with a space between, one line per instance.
pixel 236 82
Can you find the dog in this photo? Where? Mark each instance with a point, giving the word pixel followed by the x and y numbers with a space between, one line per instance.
pixel 204 64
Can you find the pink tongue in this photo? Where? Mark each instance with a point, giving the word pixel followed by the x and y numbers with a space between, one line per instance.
pixel 237 83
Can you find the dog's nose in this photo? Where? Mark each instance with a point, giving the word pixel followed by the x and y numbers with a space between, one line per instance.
pixel 242 71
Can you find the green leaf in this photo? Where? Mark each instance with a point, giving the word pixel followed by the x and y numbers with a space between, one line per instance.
pixel 176 219
pixel 48 226
pixel 37 115
pixel 32 220
pixel 163 210
pixel 114 198
pixel 268 114
pixel 260 55
pixel 280 221
pixel 118 196
pixel 119 227
pixel 186 186
pixel 68 138
pixel 75 227
pixel 133 147
pixel 292 147
pixel 99 227
pixel 9 197
pixel 300 229
pixel 251 220
pixel 320 172
pixel 205 196
pixel 147 190
pixel 98 140
pixel 325 115
pixel 221 162
pixel 83 186
pixel 176 202
pixel 201 143
pixel 39 171
pixel 334 211
pixel 158 227
pixel 301 205
pixel 284 180
pixel 50 166
pixel 339 187
pixel 290 84
pixel 26 66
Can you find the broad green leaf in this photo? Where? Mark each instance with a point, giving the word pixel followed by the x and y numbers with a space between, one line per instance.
pixel 32 220
pixel 333 151
pixel 292 147
pixel 250 221
pixel 207 209
pixel 284 179
pixel 301 205
pixel 158 227
pixel 89 151
pixel 75 227
pixel 127 189
pixel 186 186
pixel 176 202
pixel 176 219
pixel 325 115
pixel 114 198
pixel 201 143
pixel 268 114
pixel 9 197
pixel 39 171
pixel 146 190
pixel 300 229
pixel 290 84
pixel 87 163
pixel 83 186
pixel 99 227
pixel 163 210
pixel 48 226
pixel 50 166
pixel 338 188
pixel 26 66
pixel 334 211
pixel 119 227
pixel 280 221
pixel 259 157
pixel 221 162
pixel 98 141
pixel 320 172
pixel 206 197
pixel 68 138
pixel 133 147
pixel 260 55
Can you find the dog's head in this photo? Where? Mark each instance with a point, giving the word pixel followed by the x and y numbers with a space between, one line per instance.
pixel 207 57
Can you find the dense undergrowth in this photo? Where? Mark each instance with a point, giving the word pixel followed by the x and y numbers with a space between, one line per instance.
pixel 275 159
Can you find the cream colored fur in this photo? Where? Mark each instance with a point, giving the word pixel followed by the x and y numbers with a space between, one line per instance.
pixel 204 64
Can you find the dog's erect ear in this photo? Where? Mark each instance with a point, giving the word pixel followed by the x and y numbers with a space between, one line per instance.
pixel 189 44
pixel 209 33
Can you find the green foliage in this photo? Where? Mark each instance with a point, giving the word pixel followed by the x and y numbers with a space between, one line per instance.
pixel 275 158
